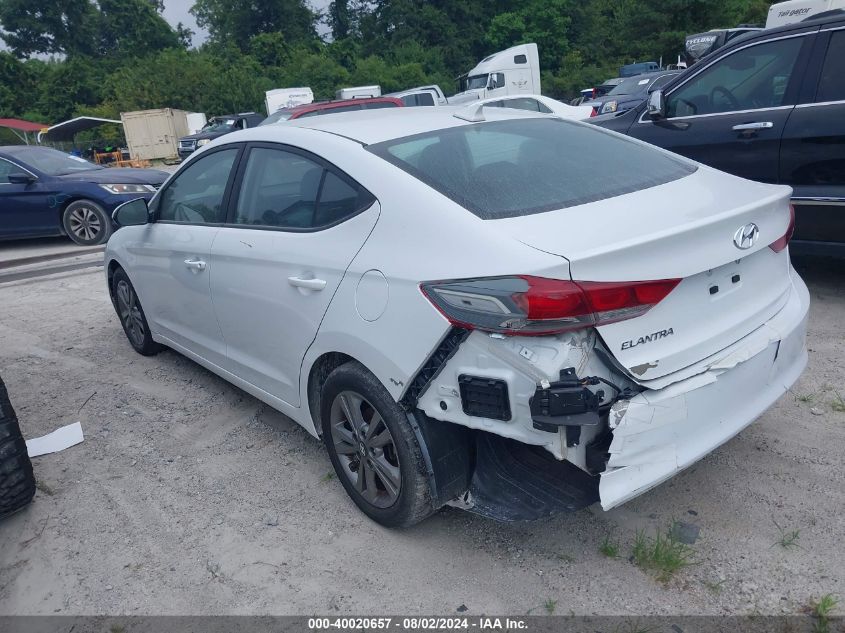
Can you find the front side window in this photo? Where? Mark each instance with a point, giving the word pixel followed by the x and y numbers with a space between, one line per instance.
pixel 287 190
pixel 504 169
pixel 749 79
pixel 832 82
pixel 497 80
pixel 196 195
pixel 6 168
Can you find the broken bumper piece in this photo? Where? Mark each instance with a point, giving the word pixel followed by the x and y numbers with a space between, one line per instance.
pixel 658 433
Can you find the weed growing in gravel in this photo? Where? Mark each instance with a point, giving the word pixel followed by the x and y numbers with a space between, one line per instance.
pixel 327 477
pixel 838 403
pixel 550 606
pixel 662 555
pixel 714 587
pixel 821 612
pixel 564 557
pixel 609 548
pixel 805 397
pixel 788 538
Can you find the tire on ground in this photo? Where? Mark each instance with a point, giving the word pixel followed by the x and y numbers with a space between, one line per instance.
pixel 86 223
pixel 414 502
pixel 144 345
pixel 17 482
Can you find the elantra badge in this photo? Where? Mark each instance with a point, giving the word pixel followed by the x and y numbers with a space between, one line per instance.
pixel 746 236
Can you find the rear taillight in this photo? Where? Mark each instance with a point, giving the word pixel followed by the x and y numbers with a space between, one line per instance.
pixel 778 245
pixel 532 306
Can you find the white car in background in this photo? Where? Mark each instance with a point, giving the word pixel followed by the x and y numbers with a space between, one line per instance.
pixel 462 311
pixel 539 103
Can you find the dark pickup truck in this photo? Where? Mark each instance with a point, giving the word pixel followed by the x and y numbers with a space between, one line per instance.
pixel 769 106
pixel 217 126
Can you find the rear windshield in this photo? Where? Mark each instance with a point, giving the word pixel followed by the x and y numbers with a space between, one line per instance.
pixel 505 169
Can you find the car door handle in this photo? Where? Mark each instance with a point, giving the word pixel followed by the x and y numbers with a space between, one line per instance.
pixel 196 265
pixel 757 125
pixel 311 284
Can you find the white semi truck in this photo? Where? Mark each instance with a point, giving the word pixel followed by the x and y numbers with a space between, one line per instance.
pixel 513 71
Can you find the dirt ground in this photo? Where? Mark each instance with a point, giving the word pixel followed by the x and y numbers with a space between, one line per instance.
pixel 188 496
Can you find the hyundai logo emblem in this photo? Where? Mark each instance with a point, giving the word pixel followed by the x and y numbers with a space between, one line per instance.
pixel 746 236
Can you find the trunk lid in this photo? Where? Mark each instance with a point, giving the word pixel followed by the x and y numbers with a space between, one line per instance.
pixel 680 230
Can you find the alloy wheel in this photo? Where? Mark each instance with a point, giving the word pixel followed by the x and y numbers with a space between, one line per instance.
pixel 85 223
pixel 130 313
pixel 366 449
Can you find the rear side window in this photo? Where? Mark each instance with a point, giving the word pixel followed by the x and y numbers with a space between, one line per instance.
pixel 287 190
pixel 832 82
pixel 504 169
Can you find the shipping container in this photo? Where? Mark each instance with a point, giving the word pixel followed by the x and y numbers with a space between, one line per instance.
pixel 152 134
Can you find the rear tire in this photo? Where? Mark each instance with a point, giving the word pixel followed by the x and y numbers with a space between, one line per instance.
pixel 17 481
pixel 131 315
pixel 86 223
pixel 373 448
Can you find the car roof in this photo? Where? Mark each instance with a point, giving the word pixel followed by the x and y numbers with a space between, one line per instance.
pixel 374 126
pixel 327 105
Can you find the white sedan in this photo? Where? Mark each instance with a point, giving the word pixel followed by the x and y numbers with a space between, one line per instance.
pixel 462 311
pixel 539 103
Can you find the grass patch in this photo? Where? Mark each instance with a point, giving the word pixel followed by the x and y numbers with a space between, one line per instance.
pixel 550 606
pixel 564 557
pixel 609 547
pixel 714 587
pixel 821 610
pixel 788 538
pixel 328 476
pixel 662 556
pixel 805 397
pixel 838 404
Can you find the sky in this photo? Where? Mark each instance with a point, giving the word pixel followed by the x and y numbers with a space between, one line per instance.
pixel 176 11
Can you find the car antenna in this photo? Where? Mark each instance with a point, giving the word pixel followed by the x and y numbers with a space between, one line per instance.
pixel 473 113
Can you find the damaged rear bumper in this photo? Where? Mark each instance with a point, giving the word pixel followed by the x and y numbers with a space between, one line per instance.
pixel 658 433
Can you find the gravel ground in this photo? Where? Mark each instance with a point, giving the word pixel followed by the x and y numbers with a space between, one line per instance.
pixel 188 496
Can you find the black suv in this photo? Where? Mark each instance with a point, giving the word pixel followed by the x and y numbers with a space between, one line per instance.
pixel 769 106
pixel 217 126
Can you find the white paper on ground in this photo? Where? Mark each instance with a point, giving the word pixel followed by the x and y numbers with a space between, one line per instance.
pixel 58 440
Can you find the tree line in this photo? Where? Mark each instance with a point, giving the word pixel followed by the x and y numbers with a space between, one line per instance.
pixel 103 57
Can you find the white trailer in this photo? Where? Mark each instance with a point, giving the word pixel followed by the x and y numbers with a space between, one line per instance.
pixel 359 92
pixel 287 98
pixel 513 71
pixel 152 134
pixel 796 10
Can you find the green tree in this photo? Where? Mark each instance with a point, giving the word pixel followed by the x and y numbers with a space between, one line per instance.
pixel 133 28
pixel 238 21
pixel 49 27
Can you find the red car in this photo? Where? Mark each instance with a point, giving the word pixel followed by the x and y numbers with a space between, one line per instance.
pixel 330 107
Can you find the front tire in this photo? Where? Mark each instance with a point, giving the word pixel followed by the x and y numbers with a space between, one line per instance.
pixel 17 481
pixel 86 223
pixel 131 315
pixel 373 448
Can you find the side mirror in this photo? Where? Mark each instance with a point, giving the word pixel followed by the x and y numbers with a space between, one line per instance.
pixel 21 178
pixel 132 213
pixel 657 105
